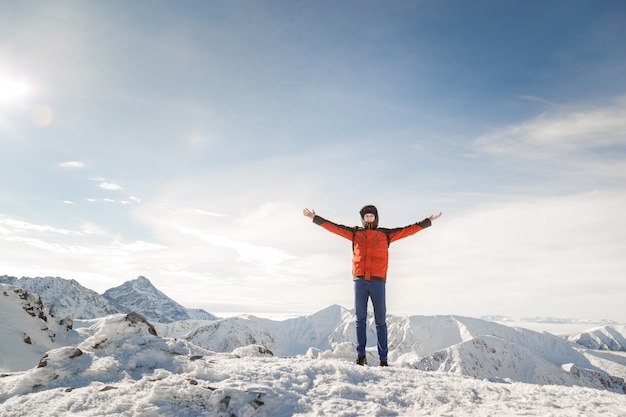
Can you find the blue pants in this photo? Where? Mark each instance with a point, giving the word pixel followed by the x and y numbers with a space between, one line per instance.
pixel 364 290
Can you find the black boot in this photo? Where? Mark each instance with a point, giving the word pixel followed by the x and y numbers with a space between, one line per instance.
pixel 361 360
pixel 384 363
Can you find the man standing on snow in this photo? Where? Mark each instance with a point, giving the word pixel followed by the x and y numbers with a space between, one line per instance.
pixel 370 247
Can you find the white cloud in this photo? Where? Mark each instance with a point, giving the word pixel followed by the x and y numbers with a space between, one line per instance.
pixel 566 149
pixel 57 248
pixel 21 226
pixel 207 213
pixel 140 246
pixel 110 186
pixel 562 132
pixel 72 164
pixel 35 250
pixel 89 228
pixel 261 255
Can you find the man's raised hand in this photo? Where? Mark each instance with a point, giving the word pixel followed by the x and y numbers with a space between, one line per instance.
pixel 308 213
pixel 435 216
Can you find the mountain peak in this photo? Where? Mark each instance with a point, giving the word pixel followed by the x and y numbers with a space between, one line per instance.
pixel 142 280
pixel 139 282
pixel 141 296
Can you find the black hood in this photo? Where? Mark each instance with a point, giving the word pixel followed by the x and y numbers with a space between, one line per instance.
pixel 369 209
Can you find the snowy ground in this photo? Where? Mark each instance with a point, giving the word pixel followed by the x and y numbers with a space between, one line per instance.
pixel 124 370
pixel 229 386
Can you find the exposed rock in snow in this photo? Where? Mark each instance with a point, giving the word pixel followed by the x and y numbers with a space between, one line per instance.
pixel 119 345
pixel 252 351
pixel 29 329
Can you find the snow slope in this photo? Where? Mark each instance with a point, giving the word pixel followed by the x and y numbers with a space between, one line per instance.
pixel 602 338
pixel 123 369
pixel 29 330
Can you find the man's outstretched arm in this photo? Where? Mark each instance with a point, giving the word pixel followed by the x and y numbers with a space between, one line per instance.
pixel 341 230
pixel 402 232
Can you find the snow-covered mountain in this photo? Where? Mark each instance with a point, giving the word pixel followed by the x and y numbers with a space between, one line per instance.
pixel 602 338
pixel 450 344
pixel 200 314
pixel 67 298
pixel 289 337
pixel 141 296
pixel 546 320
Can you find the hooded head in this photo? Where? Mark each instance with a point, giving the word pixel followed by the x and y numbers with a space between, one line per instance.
pixel 372 210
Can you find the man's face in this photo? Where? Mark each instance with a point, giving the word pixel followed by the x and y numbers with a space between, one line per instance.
pixel 369 218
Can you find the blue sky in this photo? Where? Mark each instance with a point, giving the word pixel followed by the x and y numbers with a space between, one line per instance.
pixel 181 141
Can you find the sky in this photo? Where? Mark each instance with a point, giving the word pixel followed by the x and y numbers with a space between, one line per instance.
pixel 180 141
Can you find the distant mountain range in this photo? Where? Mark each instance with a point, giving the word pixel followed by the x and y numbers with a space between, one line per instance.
pixel 67 298
pixel 450 344
pixel 546 320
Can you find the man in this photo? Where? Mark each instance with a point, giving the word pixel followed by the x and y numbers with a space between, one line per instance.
pixel 370 247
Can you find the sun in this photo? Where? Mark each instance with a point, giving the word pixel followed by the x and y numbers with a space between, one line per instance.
pixel 13 88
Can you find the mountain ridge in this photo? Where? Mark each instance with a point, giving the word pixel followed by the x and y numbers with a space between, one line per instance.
pixel 68 298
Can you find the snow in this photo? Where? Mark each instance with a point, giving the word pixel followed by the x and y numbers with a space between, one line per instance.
pixel 125 365
pixel 602 338
pixel 167 378
pixel 28 329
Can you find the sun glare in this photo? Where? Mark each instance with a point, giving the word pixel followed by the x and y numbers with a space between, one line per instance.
pixel 11 89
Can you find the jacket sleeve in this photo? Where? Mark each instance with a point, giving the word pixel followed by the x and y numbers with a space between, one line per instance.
pixel 402 232
pixel 338 229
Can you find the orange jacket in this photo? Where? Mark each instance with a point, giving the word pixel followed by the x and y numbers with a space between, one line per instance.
pixel 370 247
